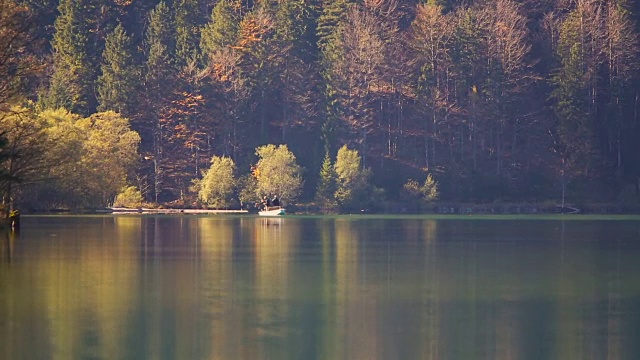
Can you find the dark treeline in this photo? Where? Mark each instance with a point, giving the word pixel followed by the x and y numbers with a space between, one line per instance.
pixel 497 99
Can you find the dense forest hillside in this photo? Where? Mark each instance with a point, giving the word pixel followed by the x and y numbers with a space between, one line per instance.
pixel 495 100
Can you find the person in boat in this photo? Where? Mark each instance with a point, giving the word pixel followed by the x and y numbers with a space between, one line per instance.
pixel 266 202
pixel 275 201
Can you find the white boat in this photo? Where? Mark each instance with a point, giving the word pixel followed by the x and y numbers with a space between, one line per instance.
pixel 272 211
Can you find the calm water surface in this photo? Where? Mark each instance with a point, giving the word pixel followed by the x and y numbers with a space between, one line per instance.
pixel 211 287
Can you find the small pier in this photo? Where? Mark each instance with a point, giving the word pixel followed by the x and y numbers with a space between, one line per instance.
pixel 176 211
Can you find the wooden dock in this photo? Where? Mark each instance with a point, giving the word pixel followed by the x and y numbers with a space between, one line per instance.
pixel 176 211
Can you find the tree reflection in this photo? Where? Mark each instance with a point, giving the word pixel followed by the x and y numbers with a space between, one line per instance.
pixel 333 288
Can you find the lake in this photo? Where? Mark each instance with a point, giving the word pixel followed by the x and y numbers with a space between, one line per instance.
pixel 342 287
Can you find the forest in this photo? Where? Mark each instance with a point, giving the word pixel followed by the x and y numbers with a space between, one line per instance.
pixel 467 101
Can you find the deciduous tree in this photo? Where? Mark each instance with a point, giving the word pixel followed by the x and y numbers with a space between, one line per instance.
pixel 159 78
pixel 109 155
pixel 24 154
pixel 17 61
pixel 218 183
pixel 353 188
pixel 278 173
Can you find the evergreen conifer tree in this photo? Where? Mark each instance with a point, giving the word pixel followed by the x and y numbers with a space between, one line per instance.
pixel 325 192
pixel 160 46
pixel 296 25
pixel 188 19
pixel 71 84
pixel 159 80
pixel 333 12
pixel 120 75
pixel 222 29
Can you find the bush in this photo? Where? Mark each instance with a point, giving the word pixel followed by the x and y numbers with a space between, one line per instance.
pixel 129 197
pixel 412 191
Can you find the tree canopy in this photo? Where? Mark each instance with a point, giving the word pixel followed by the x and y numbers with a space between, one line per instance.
pixel 498 100
pixel 277 173
pixel 218 183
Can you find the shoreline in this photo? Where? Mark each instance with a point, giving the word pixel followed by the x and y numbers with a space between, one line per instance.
pixel 386 209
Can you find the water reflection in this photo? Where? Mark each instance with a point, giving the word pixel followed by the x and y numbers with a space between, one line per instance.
pixel 8 244
pixel 345 288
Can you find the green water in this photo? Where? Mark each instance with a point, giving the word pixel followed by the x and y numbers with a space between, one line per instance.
pixel 212 287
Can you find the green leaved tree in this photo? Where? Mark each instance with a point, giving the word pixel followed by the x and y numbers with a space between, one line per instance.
pixel 277 173
pixel 218 183
pixel 353 188
pixel 109 156
pixel 17 60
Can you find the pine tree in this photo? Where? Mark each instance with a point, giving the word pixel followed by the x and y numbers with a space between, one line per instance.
pixel 117 86
pixel 159 48
pixel 73 72
pixel 188 19
pixel 296 25
pixel 222 29
pixel 295 46
pixel 159 80
pixel 325 192
pixel 333 12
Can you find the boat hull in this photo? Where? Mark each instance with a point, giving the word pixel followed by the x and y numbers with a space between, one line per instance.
pixel 272 212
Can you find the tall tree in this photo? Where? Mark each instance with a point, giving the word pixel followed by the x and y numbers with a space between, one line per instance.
pixel 71 84
pixel 23 154
pixel 257 44
pixel 509 76
pixel 104 176
pixel 222 60
pixel 117 86
pixel 327 186
pixel 218 183
pixel 354 73
pixel 278 173
pixel 622 52
pixel 230 85
pixel 352 180
pixel 431 38
pixel 333 12
pixel 188 141
pixel 188 20
pixel 580 53
pixel 331 16
pixel 222 29
pixel 159 80
pixel 296 48
pixel 17 60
